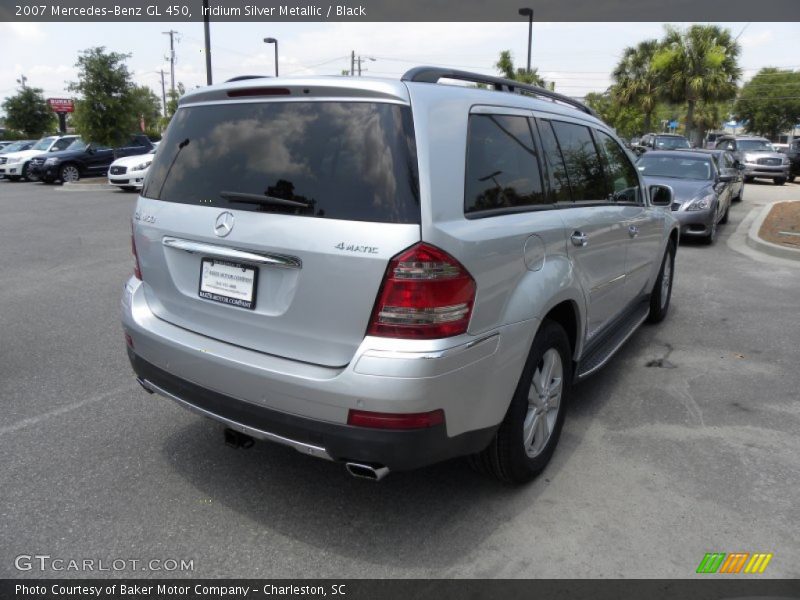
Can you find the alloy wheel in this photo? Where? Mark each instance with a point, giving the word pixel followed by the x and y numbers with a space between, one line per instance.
pixel 544 402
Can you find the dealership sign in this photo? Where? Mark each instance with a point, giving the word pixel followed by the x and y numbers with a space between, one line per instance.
pixel 61 105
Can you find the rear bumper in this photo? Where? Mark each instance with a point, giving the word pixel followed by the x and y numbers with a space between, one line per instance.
pixel 397 450
pixel 472 381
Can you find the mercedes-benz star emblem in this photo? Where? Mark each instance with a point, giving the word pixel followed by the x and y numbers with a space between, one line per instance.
pixel 224 224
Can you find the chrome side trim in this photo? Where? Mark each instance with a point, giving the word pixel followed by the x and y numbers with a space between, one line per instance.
pixel 269 259
pixel 605 284
pixel 621 343
pixel 259 434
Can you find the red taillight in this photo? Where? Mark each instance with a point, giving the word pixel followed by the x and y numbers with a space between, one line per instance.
pixel 136 272
pixel 128 340
pixel 425 294
pixel 375 420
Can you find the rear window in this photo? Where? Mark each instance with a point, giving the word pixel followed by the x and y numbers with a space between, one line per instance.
pixel 338 160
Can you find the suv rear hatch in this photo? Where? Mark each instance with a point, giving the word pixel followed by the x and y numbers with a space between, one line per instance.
pixel 268 222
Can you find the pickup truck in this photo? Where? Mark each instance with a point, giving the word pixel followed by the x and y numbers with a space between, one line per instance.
pixel 84 160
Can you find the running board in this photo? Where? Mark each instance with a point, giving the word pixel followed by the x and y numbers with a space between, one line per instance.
pixel 601 352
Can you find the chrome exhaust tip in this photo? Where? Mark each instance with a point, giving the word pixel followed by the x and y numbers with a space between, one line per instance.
pixel 361 471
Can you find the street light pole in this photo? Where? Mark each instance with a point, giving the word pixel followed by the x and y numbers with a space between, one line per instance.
pixel 270 40
pixel 528 12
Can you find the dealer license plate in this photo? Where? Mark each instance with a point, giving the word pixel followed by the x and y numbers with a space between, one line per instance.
pixel 228 282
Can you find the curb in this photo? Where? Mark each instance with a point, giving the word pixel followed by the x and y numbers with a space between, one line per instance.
pixel 87 187
pixel 757 243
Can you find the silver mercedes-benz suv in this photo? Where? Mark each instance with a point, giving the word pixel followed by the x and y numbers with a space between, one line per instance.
pixel 391 273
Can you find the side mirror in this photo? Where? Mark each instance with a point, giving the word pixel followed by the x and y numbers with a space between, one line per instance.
pixel 90 149
pixel 740 166
pixel 661 195
pixel 727 177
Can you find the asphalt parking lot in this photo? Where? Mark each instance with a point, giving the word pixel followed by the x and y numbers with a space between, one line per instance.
pixel 686 443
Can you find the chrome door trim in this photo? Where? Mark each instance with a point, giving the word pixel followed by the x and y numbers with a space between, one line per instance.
pixel 268 259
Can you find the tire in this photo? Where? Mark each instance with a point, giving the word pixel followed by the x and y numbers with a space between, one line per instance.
pixel 779 180
pixel 712 235
pixel 724 218
pixel 662 292
pixel 741 194
pixel 69 173
pixel 24 173
pixel 508 458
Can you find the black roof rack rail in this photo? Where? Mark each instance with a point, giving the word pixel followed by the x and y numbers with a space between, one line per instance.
pixel 243 77
pixel 434 74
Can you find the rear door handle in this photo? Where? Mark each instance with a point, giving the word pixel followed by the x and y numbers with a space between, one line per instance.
pixel 579 238
pixel 633 231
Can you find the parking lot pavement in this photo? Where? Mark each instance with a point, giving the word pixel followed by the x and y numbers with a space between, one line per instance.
pixel 685 444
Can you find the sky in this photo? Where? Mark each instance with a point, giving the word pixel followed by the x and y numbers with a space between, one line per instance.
pixel 577 56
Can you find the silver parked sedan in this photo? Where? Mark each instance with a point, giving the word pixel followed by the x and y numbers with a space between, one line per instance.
pixel 702 191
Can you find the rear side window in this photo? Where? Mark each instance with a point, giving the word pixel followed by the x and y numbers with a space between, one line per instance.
pixel 338 160
pixel 555 162
pixel 502 166
pixel 623 182
pixel 582 162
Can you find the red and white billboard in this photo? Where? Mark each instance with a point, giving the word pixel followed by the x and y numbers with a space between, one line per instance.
pixel 61 105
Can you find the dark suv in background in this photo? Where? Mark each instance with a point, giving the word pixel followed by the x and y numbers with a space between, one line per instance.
pixel 792 152
pixel 661 141
pixel 84 160
pixel 759 157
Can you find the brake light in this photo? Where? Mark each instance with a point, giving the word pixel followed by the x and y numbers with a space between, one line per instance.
pixel 376 420
pixel 136 272
pixel 425 294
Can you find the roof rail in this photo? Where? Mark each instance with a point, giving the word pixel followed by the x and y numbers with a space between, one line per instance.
pixel 243 77
pixel 434 74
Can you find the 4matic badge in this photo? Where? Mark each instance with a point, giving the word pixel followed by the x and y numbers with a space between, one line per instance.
pixel 144 217
pixel 356 248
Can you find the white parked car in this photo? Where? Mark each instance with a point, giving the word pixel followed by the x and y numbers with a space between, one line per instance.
pixel 15 166
pixel 128 172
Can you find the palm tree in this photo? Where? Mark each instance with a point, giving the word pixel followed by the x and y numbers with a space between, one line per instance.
pixel 506 67
pixel 699 64
pixel 636 82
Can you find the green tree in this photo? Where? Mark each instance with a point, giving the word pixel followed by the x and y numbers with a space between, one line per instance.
pixel 699 64
pixel 106 110
pixel 769 103
pixel 146 106
pixel 627 121
pixel 27 111
pixel 637 83
pixel 505 65
pixel 172 102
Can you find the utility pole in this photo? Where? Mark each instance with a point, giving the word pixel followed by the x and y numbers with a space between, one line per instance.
pixel 362 59
pixel 163 93
pixel 207 36
pixel 528 12
pixel 352 63
pixel 171 35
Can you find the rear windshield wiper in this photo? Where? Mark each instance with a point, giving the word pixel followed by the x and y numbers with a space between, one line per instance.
pixel 262 199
